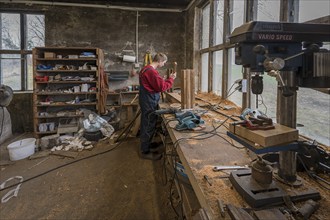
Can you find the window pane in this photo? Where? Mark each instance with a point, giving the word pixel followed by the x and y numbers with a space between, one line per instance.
pixel 268 10
pixel 313 113
pixel 238 14
pixel 217 72
pixel 29 70
pixel 11 70
pixel 234 73
pixel 205 72
pixel 218 23
pixel 10 31
pixel 205 26
pixel 35 31
pixel 309 10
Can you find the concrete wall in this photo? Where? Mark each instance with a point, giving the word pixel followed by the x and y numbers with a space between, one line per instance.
pixel 111 30
pixel 115 30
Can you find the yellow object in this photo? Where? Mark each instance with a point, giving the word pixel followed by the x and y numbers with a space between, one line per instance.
pixel 147 59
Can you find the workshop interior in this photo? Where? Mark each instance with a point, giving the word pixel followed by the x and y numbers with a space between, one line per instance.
pixel 242 134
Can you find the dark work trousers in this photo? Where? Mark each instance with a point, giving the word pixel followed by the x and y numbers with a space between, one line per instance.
pixel 148 104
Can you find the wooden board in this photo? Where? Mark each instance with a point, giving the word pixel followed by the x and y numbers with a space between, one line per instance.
pixel 266 138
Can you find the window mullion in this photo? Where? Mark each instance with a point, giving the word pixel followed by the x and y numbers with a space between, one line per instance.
pixel 211 40
pixel 23 56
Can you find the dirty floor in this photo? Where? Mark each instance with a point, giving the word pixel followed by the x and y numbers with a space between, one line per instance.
pixel 112 185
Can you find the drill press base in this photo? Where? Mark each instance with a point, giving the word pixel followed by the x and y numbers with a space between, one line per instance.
pixel 258 195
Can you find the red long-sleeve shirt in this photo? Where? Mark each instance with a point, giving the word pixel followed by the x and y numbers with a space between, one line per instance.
pixel 153 82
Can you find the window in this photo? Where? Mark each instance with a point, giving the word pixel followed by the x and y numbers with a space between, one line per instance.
pixel 310 10
pixel 313 114
pixel 218 22
pixel 268 10
pixel 217 72
pixel 205 72
pixel 205 26
pixel 238 14
pixel 20 32
pixel 234 74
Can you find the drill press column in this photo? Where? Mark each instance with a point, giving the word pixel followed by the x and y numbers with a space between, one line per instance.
pixel 286 115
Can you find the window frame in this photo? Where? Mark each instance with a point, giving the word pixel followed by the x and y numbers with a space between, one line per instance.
pixel 23 52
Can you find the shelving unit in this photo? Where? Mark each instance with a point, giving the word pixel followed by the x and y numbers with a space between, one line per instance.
pixel 66 80
pixel 125 103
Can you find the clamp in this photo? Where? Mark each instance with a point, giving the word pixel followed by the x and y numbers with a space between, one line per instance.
pixel 147 58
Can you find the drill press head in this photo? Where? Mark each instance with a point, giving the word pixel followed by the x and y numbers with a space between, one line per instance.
pixel 297 47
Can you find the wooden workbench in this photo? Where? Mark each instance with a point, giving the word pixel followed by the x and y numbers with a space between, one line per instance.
pixel 200 156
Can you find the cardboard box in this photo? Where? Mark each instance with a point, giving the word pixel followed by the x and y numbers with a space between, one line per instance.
pixel 266 138
pixel 49 55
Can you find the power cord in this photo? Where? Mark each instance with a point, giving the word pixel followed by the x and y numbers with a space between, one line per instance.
pixel 63 165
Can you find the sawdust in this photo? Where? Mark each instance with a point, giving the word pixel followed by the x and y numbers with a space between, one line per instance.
pixel 221 188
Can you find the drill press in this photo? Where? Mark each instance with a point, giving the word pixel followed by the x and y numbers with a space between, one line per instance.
pixel 293 53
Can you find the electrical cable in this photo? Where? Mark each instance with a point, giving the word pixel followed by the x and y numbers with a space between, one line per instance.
pixel 312 175
pixel 262 103
pixel 66 164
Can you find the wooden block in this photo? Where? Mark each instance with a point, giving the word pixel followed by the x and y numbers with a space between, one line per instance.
pixel 65 154
pixel 266 138
pixel 49 55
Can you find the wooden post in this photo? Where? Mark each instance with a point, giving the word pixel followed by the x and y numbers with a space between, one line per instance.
pixel 187 89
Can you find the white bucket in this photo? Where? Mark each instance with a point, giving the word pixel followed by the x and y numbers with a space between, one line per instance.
pixel 21 149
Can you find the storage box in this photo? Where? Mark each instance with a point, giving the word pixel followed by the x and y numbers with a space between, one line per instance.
pixel 49 55
pixel 266 138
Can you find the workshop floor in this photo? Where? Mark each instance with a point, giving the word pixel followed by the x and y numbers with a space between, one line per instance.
pixel 114 185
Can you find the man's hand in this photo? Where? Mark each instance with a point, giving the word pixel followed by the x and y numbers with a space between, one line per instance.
pixel 173 75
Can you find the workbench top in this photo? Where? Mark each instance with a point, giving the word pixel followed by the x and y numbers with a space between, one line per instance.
pixel 200 153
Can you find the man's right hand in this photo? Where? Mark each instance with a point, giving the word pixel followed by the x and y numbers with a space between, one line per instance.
pixel 173 75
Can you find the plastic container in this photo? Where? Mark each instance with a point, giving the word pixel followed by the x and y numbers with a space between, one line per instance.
pixel 21 149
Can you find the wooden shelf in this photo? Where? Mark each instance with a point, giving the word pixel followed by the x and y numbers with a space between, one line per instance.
pixel 64 104
pixel 65 82
pixel 67 59
pixel 54 89
pixel 66 71
pixel 63 93
pixel 47 132
pixel 64 116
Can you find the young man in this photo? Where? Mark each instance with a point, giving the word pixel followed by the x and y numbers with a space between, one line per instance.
pixel 151 84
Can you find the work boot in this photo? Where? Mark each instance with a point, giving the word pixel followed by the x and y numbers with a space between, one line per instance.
pixel 151 156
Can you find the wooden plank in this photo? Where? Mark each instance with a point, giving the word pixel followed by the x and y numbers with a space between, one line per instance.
pixel 173 97
pixel 192 88
pixel 183 89
pixel 188 90
pixel 137 123
pixel 129 113
pixel 266 138
pixel 65 154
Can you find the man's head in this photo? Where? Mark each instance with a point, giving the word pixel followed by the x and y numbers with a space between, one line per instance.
pixel 160 58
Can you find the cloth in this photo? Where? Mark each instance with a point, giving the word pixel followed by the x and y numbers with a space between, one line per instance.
pixel 151 84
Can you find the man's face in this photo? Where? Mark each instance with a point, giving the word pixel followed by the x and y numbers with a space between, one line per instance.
pixel 162 63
